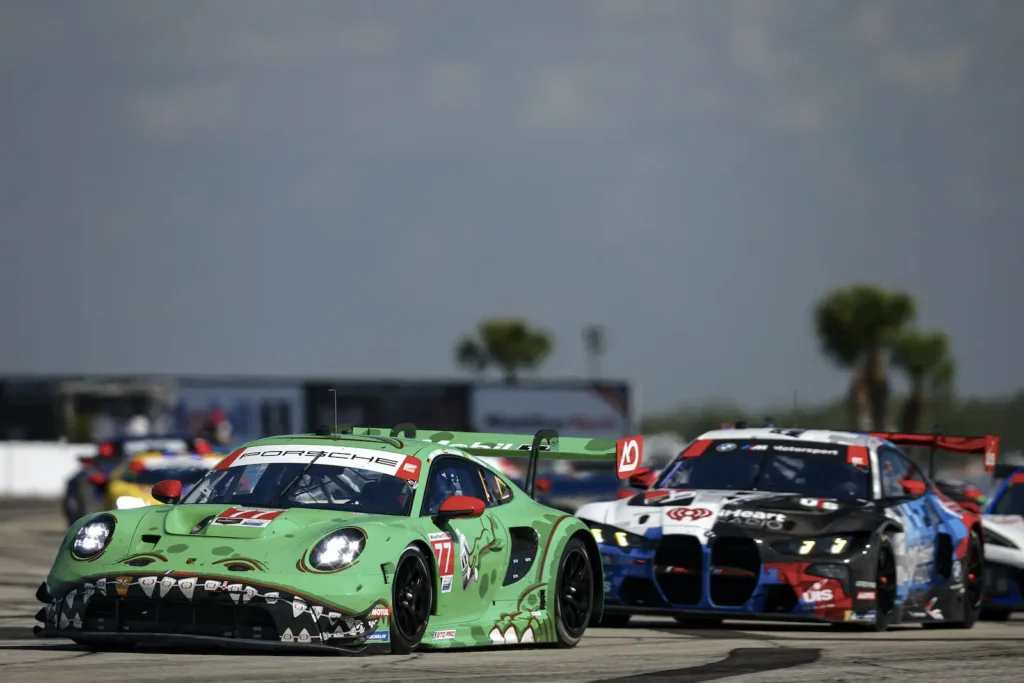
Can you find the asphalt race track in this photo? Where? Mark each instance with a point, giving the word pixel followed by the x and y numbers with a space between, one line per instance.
pixel 652 650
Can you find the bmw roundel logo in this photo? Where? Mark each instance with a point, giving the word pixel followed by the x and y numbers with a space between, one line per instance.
pixel 725 447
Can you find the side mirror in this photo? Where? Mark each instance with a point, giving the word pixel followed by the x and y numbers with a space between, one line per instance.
pixel 913 488
pixel 167 491
pixel 458 507
pixel 99 480
pixel 643 479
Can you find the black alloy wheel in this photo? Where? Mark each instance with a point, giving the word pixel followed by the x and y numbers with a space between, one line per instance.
pixel 575 591
pixel 412 594
pixel 885 592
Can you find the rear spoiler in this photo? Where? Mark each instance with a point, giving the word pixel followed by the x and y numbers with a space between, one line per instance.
pixel 988 445
pixel 626 453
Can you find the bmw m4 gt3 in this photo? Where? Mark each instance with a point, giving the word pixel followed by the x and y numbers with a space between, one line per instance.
pixel 790 524
pixel 361 541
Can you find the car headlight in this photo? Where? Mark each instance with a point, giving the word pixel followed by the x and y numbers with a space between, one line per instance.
pixel 93 538
pixel 608 535
pixel 337 549
pixel 993 538
pixel 821 545
pixel 128 502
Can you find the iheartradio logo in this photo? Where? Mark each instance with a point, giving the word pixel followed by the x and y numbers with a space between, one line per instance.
pixel 693 514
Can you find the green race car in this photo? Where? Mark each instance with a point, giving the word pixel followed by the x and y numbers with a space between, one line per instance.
pixel 362 540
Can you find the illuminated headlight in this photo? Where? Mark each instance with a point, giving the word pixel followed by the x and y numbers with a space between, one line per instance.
pixel 606 535
pixel 823 545
pixel 337 549
pixel 127 502
pixel 93 537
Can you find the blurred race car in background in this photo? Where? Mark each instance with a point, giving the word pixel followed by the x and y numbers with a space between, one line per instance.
pixel 564 485
pixel 81 496
pixel 130 484
pixel 1003 520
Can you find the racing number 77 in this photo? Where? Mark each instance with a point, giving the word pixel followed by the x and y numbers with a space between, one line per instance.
pixel 444 551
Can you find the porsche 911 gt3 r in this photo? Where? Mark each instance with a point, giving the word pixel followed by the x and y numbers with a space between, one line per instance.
pixel 790 524
pixel 359 541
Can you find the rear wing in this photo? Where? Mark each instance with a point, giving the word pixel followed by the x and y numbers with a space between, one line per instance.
pixel 626 453
pixel 988 445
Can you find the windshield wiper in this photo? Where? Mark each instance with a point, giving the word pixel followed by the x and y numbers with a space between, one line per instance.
pixel 291 483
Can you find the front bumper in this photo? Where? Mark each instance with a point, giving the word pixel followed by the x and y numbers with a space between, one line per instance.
pixel 729 578
pixel 197 611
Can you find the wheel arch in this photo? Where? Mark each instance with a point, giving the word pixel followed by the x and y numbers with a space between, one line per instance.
pixel 596 568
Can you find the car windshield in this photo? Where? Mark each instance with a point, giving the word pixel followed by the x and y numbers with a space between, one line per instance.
pixel 819 475
pixel 322 487
pixel 1011 502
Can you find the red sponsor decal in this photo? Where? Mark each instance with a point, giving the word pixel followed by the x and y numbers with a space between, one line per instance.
pixel 1018 478
pixel 857 456
pixel 226 462
pixel 826 596
pixel 991 452
pixel 865 595
pixel 628 455
pixel 410 469
pixel 250 513
pixel 696 448
pixel 693 514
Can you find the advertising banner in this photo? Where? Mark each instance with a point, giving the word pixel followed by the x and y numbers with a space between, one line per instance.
pixel 597 410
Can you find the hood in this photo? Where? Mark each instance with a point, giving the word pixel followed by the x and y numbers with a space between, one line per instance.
pixel 232 521
pixel 697 513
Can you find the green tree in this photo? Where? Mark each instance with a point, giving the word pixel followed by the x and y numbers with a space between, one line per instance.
pixel 855 326
pixel 510 345
pixel 925 358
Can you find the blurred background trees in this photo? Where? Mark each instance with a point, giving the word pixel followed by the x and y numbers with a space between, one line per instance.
pixel 510 345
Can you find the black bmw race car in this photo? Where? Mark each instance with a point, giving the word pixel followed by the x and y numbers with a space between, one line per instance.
pixel 791 525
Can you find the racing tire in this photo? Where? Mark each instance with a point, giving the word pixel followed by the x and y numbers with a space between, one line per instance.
pixel 974 582
pixel 611 621
pixel 698 622
pixel 412 594
pixel 885 591
pixel 574 594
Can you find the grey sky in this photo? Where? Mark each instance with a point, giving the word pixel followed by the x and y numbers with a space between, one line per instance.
pixel 342 188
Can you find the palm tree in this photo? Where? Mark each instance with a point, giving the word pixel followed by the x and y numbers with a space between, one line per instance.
pixel 855 326
pixel 507 344
pixel 925 358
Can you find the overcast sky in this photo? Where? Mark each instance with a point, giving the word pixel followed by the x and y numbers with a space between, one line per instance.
pixel 342 188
